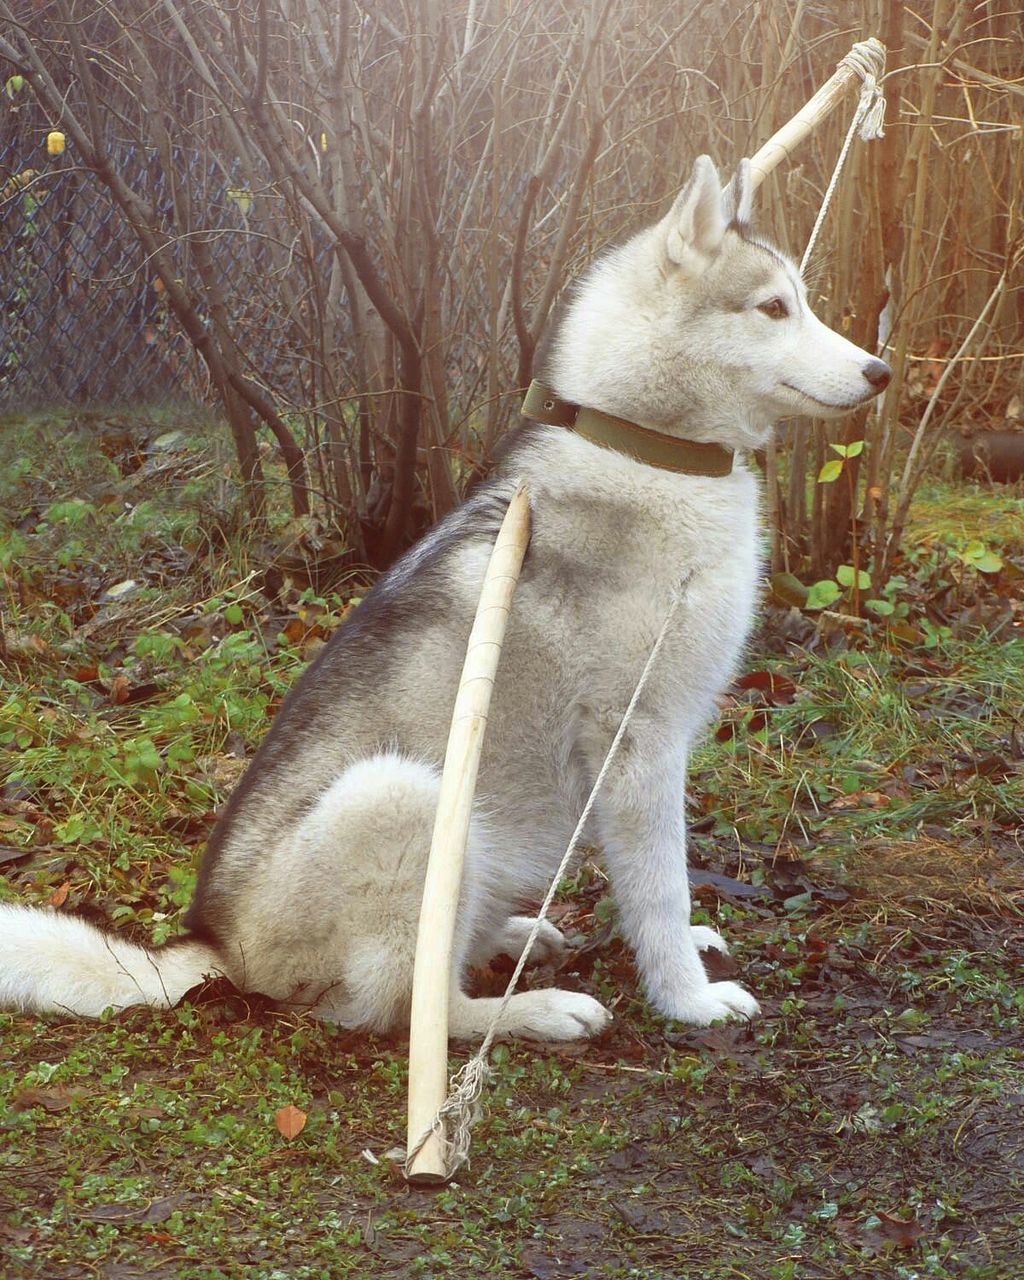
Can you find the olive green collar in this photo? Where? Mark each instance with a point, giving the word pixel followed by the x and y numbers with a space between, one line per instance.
pixel 689 457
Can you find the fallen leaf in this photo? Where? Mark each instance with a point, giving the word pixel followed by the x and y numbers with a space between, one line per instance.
pixel 160 1210
pixel 134 1114
pixel 994 767
pixel 59 895
pixel 290 1121
pixel 222 770
pixel 51 1100
pixel 43 833
pixel 861 800
pixel 26 646
pixel 776 687
pixel 10 853
pixel 118 690
pixel 119 591
pixel 788 589
pixel 890 1232
pixel 113 1212
pixel 725 886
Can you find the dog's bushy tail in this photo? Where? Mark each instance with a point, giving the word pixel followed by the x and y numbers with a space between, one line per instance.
pixel 53 961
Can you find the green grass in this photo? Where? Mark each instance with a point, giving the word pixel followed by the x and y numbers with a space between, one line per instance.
pixel 863 821
pixel 875 743
pixel 777 1152
pixel 953 515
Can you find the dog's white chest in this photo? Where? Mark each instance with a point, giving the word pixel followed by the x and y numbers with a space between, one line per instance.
pixel 610 560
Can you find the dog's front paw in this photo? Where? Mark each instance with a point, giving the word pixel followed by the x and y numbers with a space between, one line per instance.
pixel 705 939
pixel 558 1015
pixel 716 1001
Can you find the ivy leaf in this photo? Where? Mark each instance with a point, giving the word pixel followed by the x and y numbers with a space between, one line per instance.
pixel 882 607
pixel 78 829
pixel 978 556
pixel 845 576
pixel 821 594
pixel 832 470
pixel 988 563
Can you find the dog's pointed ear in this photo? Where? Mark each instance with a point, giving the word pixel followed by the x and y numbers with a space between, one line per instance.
pixel 738 196
pixel 693 228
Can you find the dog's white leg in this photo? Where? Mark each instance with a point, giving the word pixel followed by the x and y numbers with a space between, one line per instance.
pixel 642 830
pixel 535 1015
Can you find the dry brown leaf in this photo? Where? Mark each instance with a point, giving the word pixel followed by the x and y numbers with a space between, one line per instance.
pixel 893 1232
pixel 52 1100
pixel 861 800
pixel 118 691
pixel 290 1121
pixel 59 895
pixel 19 645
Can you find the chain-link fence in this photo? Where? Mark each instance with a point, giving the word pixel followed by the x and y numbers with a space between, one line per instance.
pixel 79 320
pixel 82 318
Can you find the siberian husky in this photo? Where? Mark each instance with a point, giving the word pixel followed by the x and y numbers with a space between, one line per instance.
pixel 695 329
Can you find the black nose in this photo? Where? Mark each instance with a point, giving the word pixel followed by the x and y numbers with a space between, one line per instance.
pixel 877 373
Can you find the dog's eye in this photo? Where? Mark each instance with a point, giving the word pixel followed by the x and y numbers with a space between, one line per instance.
pixel 774 309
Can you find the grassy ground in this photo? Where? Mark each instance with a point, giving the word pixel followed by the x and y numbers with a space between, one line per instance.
pixel 856 833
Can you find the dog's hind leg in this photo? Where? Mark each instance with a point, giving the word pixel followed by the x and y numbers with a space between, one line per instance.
pixel 330 924
pixel 341 907
pixel 707 939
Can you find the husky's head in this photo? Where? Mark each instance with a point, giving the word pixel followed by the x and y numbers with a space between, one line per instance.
pixel 698 328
